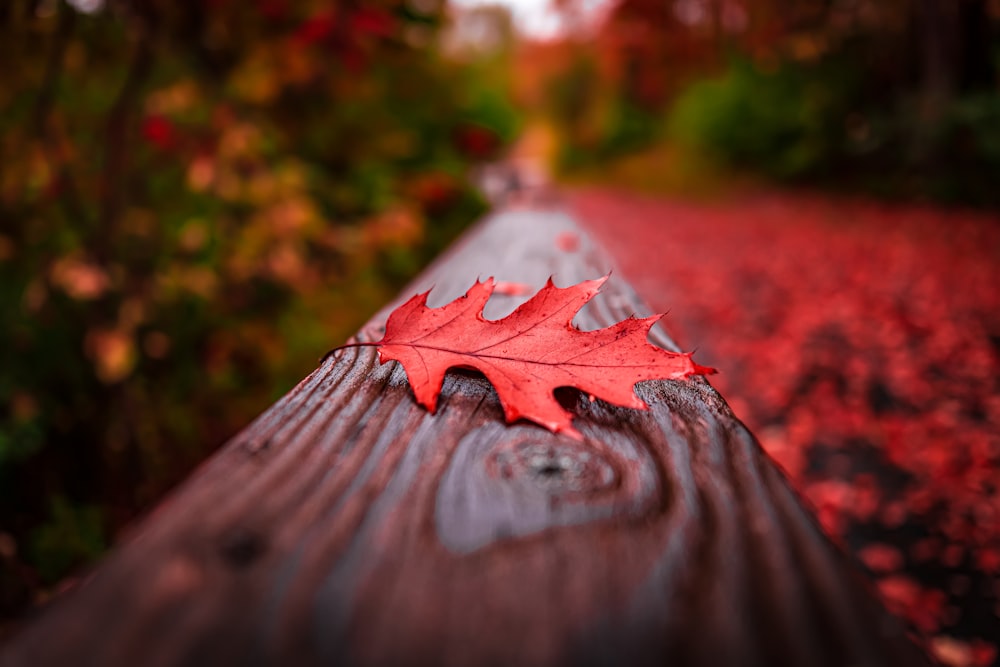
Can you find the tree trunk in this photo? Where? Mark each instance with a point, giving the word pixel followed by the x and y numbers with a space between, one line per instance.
pixel 937 35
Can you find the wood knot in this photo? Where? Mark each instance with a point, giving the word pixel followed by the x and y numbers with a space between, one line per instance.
pixel 240 548
pixel 505 482
pixel 552 466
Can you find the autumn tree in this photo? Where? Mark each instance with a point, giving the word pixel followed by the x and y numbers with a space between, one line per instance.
pixel 197 199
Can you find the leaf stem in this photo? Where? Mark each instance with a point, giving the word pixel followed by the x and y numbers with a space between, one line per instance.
pixel 344 347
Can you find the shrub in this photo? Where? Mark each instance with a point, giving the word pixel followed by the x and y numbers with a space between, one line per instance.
pixel 198 200
pixel 786 123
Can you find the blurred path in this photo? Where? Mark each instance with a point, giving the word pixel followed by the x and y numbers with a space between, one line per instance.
pixel 522 177
pixel 861 343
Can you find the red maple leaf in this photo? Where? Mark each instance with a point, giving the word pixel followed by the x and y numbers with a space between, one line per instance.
pixel 528 353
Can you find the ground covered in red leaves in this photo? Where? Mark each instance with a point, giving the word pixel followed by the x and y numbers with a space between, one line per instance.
pixel 861 343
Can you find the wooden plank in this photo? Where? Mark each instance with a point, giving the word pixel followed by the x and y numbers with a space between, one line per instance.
pixel 346 525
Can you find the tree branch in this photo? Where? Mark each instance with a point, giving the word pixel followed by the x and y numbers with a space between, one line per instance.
pixel 116 154
pixel 44 128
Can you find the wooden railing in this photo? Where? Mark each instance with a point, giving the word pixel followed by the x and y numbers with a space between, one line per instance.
pixel 348 526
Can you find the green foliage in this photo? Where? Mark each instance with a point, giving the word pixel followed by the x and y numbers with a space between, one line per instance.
pixel 811 122
pixel 973 128
pixel 786 123
pixel 897 152
pixel 900 101
pixel 72 535
pixel 959 157
pixel 626 129
pixel 596 124
pixel 488 105
pixel 198 200
pixel 571 94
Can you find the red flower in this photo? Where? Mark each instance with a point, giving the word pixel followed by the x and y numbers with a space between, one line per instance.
pixel 314 29
pixel 477 142
pixel 158 131
pixel 273 9
pixel 373 22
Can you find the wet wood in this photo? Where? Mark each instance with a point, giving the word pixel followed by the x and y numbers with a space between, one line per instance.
pixel 347 526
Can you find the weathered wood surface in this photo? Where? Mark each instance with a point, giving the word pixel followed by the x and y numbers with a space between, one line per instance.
pixel 347 525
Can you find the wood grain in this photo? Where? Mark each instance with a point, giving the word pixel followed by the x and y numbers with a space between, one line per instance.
pixel 348 526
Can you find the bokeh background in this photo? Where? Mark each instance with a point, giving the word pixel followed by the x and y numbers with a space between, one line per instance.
pixel 198 199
